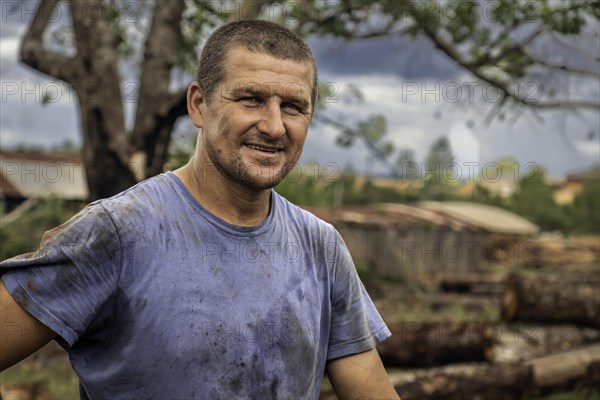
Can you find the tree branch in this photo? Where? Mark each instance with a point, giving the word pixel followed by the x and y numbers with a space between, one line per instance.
pixel 503 86
pixel 160 56
pixel 177 103
pixel 371 146
pixel 98 85
pixel 560 67
pixel 36 56
pixel 176 106
pixel 488 59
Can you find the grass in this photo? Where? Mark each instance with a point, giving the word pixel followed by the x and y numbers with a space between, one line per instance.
pixel 24 234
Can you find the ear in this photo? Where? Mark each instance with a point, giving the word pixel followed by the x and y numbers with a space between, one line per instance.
pixel 195 100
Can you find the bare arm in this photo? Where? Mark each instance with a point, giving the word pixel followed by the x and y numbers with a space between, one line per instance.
pixel 20 333
pixel 360 376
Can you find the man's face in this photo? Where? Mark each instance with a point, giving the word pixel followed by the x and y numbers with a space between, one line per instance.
pixel 255 124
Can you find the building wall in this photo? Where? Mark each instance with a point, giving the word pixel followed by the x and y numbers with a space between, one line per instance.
pixel 397 253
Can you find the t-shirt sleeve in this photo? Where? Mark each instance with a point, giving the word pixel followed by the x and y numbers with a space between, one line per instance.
pixel 356 325
pixel 70 282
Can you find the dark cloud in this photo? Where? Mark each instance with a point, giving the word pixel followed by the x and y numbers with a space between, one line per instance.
pixel 398 56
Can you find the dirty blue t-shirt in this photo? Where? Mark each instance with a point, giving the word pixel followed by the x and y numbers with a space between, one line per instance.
pixel 155 298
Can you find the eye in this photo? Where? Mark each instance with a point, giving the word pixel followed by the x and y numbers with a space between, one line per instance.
pixel 250 100
pixel 291 107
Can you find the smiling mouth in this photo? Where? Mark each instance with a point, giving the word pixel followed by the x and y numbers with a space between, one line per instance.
pixel 263 148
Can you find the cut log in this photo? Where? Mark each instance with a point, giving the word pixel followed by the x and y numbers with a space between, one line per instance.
pixel 552 298
pixel 575 369
pixel 479 284
pixel 437 343
pixel 464 381
pixel 559 369
pixel 527 342
pixel 564 371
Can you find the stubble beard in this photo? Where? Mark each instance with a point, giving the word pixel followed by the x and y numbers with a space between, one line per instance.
pixel 252 176
pixel 270 176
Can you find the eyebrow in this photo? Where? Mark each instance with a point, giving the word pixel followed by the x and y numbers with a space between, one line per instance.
pixel 252 91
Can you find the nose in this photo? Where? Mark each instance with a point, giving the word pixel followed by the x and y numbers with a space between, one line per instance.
pixel 270 122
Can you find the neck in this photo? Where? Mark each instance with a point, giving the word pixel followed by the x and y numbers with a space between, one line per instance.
pixel 222 197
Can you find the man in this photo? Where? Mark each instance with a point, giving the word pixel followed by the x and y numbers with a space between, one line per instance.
pixel 203 282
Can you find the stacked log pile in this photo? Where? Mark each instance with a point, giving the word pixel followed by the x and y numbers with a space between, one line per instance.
pixel 437 343
pixel 570 370
pixel 566 370
pixel 548 340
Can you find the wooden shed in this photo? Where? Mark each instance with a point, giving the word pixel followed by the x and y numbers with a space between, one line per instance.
pixel 393 240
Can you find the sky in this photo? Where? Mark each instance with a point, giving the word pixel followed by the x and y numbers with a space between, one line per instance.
pixel 421 93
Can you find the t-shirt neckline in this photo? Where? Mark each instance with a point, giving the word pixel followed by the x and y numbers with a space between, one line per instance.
pixel 218 222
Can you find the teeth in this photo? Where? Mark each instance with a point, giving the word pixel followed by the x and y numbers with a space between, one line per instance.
pixel 261 148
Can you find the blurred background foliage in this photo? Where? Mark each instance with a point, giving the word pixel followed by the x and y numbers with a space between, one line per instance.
pixel 499 43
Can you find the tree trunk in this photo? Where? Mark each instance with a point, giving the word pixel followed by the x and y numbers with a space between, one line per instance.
pixel 437 343
pixel 106 153
pixel 106 173
pixel 158 108
pixel 553 298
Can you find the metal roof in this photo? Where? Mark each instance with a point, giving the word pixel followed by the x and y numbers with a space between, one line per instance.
pixel 457 216
pixel 35 175
pixel 489 218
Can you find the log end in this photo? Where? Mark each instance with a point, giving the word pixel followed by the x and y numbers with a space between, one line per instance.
pixel 510 299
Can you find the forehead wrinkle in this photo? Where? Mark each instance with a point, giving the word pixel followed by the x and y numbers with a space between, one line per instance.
pixel 295 69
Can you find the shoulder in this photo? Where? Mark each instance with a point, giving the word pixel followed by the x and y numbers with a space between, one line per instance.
pixel 299 215
pixel 295 217
pixel 140 210
pixel 144 200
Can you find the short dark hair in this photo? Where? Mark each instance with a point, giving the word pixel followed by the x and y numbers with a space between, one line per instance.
pixel 256 36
